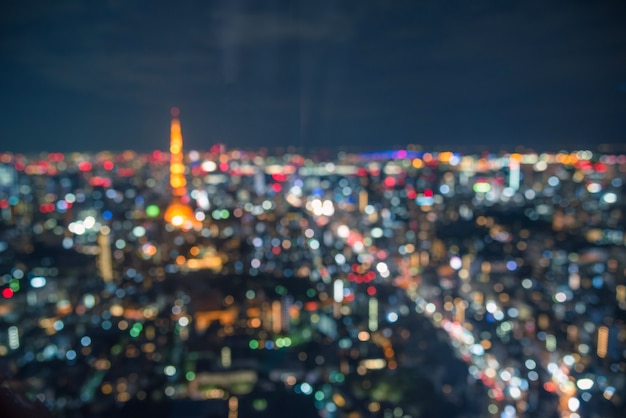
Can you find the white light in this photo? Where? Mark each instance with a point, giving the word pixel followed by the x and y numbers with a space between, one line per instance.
pixel 340 259
pixel 569 360
pixel 169 370
pixel 584 384
pixel 338 294
pixel 477 350
pixel 38 282
pixel 594 187
pixel 183 321
pixel 392 317
pixel 209 166
pixel 90 301
pixel 343 231
pixel 553 181
pixel 306 388
pixel 382 267
pixel 573 404
pixel 456 263
pixel 89 222
pixel 14 338
pixel 376 232
pixel 139 231
pixel 609 198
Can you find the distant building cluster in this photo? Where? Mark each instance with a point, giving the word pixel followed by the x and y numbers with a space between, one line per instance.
pixel 390 284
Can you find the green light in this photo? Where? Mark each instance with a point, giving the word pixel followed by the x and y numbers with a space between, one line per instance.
pixel 286 342
pixel 281 290
pixel 225 214
pixel 253 344
pixel 279 343
pixel 310 293
pixel 15 285
pixel 134 332
pixel 259 404
pixel 153 211
pixel 319 395
pixel 482 187
pixel 190 376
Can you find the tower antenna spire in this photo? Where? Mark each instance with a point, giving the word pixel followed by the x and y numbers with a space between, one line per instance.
pixel 178 213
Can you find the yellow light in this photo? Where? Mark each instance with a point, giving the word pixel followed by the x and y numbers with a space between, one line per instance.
pixel 180 215
pixel 177 168
pixel 339 400
pixel 603 340
pixel 177 181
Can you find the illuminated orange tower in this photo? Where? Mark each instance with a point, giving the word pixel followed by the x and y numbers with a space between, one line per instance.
pixel 178 213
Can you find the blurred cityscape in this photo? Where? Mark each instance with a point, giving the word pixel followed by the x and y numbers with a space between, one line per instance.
pixel 397 284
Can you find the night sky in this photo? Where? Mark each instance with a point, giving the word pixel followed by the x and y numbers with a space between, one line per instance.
pixel 456 74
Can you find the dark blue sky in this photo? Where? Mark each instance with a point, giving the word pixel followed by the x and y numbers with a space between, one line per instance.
pixel 84 75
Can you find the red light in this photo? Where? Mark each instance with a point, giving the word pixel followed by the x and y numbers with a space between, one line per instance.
pixel 371 290
pixel 46 207
pixel 390 181
pixel 156 155
pixel 277 187
pixel 428 193
pixel 224 166
pixel 108 165
pixel 411 194
pixel 126 172
pixel 4 204
pixel 7 293
pixel 84 166
pixel 279 177
pixel 549 387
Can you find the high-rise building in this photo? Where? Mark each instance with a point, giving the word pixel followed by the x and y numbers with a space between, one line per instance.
pixel 105 266
pixel 178 214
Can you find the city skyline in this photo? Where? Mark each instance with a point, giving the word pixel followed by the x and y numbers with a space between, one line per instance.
pixel 402 283
pixel 371 75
